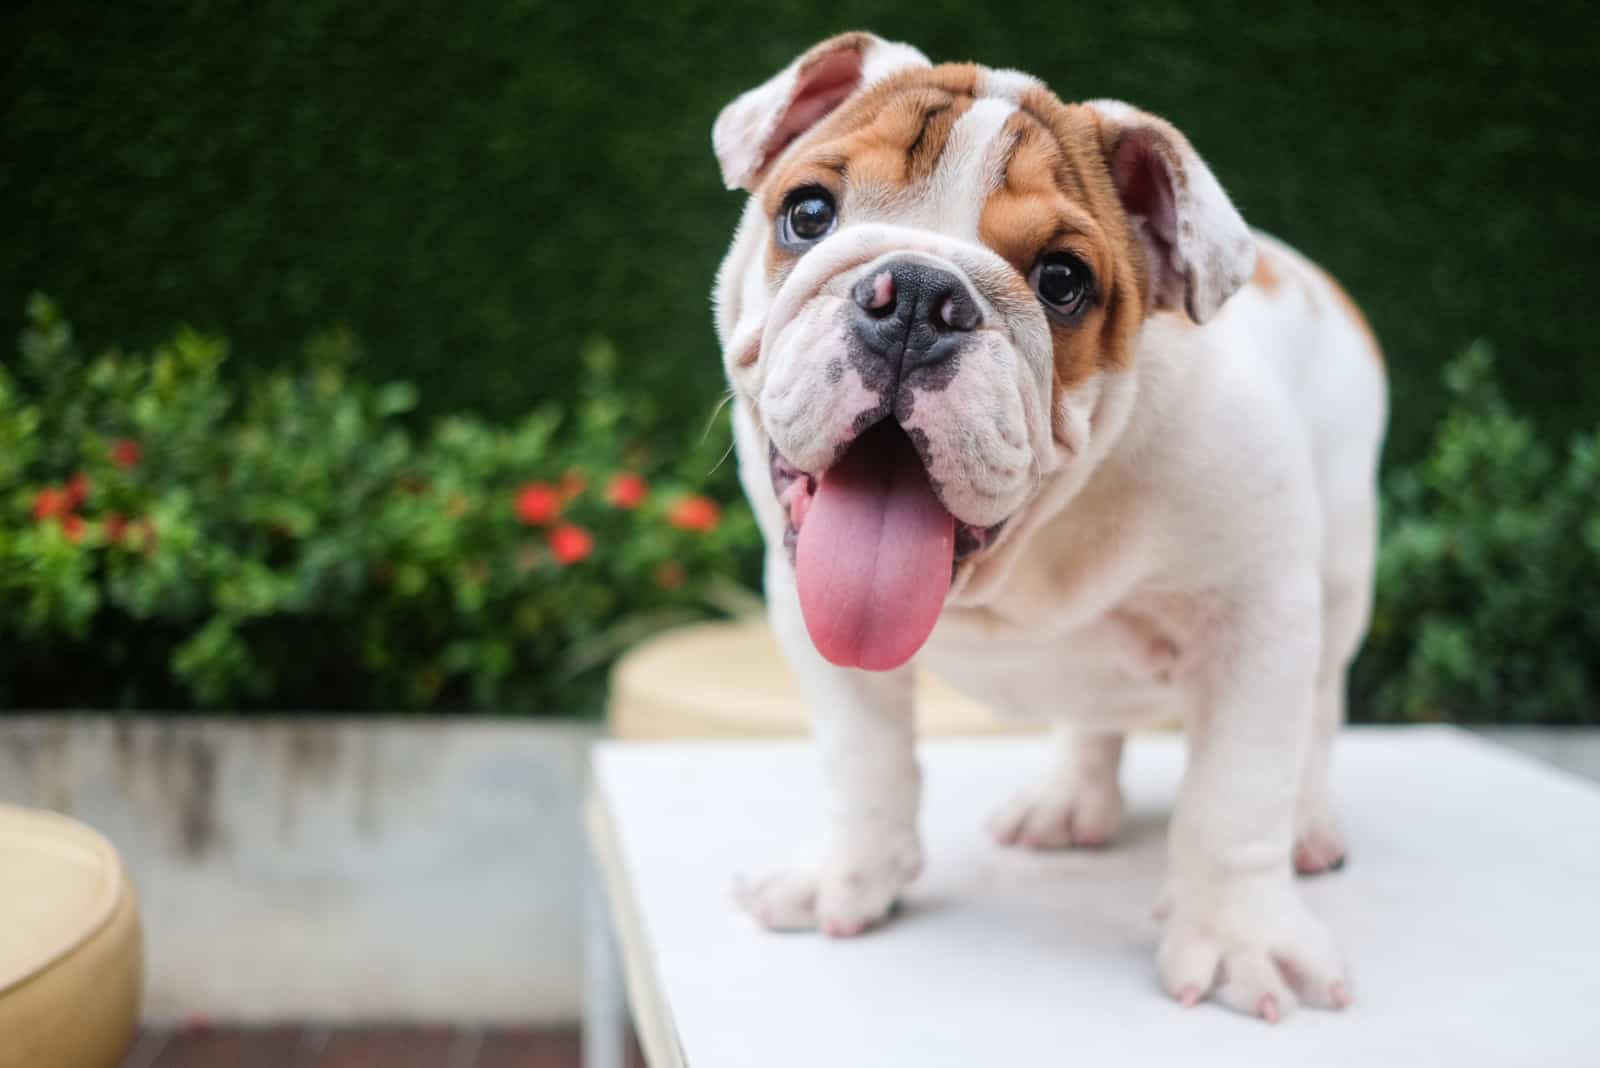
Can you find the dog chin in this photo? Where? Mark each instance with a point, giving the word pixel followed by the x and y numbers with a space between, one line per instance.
pixel 795 490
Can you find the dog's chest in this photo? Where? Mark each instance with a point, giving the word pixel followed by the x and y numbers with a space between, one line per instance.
pixel 1123 668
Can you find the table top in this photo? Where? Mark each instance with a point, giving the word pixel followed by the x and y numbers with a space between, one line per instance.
pixel 1468 910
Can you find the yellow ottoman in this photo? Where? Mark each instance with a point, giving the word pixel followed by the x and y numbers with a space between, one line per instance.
pixel 716 680
pixel 71 965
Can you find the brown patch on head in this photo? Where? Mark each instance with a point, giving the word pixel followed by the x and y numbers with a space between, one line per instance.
pixel 1057 196
pixel 880 146
pixel 894 131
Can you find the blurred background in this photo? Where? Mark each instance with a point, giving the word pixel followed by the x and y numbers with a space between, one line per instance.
pixel 364 354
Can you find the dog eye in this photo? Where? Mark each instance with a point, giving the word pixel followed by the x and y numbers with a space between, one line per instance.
pixel 1064 283
pixel 808 216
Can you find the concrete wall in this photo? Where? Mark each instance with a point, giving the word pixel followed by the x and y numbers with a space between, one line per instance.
pixel 332 870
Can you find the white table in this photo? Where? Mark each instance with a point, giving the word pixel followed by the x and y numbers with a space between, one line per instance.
pixel 1470 910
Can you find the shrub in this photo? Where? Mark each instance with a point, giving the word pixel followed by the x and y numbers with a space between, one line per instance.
pixel 1489 573
pixel 171 538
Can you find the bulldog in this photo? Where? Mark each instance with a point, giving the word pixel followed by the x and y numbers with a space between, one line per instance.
pixel 1017 395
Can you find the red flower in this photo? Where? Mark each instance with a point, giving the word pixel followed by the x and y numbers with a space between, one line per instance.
pixel 572 483
pixel 695 513
pixel 51 502
pixel 538 503
pixel 125 453
pixel 570 544
pixel 627 490
pixel 77 489
pixel 72 526
pixel 116 527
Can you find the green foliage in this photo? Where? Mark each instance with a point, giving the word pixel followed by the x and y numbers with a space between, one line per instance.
pixel 172 538
pixel 1489 578
pixel 475 186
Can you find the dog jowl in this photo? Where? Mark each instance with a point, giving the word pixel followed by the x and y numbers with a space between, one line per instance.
pixel 1009 403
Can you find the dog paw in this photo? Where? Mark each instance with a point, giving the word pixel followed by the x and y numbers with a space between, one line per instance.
pixel 1082 814
pixel 852 890
pixel 1260 954
pixel 1318 844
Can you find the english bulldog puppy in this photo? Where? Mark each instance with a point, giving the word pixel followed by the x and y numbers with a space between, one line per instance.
pixel 1019 396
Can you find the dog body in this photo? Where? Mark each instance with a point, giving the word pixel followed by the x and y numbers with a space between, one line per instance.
pixel 1248 447
pixel 1119 453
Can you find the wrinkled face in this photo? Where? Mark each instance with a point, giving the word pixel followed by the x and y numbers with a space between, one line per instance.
pixel 928 310
pixel 947 251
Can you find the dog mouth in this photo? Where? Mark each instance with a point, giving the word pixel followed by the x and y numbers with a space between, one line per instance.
pixel 796 489
pixel 875 550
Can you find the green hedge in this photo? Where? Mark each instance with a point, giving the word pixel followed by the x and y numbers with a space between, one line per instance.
pixel 477 187
pixel 172 539
pixel 169 538
pixel 1487 606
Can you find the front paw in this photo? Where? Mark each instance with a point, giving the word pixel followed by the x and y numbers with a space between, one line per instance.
pixel 1085 814
pixel 852 890
pixel 1257 950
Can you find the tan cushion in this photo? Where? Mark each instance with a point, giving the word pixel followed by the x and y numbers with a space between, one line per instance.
pixel 71 964
pixel 729 679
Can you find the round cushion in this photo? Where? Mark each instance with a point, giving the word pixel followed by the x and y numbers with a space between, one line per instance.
pixel 71 965
pixel 729 679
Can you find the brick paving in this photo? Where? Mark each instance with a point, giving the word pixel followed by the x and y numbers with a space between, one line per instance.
pixel 360 1047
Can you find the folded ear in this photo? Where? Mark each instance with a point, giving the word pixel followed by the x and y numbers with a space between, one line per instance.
pixel 1199 251
pixel 756 127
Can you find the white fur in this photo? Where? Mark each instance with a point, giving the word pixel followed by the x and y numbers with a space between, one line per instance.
pixel 1192 540
pixel 969 168
pixel 1007 84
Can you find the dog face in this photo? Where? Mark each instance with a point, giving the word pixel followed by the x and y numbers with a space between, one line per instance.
pixel 953 252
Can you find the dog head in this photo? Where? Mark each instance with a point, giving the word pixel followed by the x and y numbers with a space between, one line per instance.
pixel 949 261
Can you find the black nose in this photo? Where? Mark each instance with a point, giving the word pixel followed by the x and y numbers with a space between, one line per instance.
pixel 913 314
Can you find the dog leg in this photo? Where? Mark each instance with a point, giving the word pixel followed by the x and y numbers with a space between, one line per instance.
pixel 1077 802
pixel 864 726
pixel 1347 607
pixel 1318 844
pixel 1236 925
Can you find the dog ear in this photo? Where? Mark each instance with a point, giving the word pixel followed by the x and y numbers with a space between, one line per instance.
pixel 756 127
pixel 1198 250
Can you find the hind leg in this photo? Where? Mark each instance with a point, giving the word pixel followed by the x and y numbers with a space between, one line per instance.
pixel 1318 843
pixel 1349 562
pixel 1077 802
pixel 1347 605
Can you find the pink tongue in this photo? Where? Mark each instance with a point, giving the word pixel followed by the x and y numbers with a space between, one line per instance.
pixel 874 557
